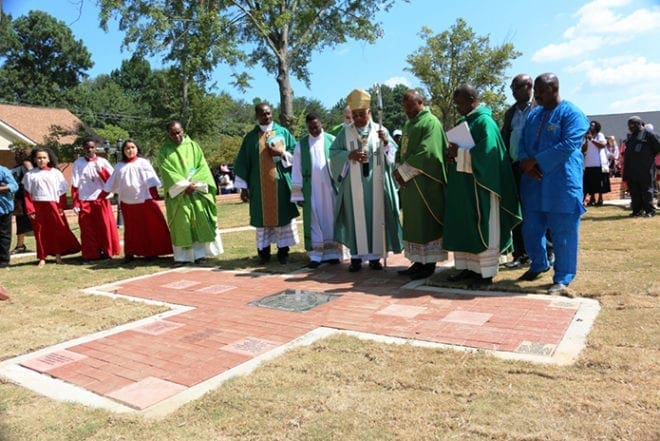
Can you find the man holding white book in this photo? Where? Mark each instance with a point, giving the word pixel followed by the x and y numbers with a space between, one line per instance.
pixel 482 203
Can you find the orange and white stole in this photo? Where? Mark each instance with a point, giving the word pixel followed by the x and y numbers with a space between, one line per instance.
pixel 268 181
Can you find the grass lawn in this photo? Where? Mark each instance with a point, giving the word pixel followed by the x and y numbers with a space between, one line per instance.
pixel 345 388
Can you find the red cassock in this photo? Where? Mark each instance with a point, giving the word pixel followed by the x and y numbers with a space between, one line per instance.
pixel 98 230
pixel 51 231
pixel 145 230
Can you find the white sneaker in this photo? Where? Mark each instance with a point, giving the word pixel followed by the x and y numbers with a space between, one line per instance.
pixel 559 289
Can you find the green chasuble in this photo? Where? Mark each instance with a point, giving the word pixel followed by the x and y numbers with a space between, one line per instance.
pixel 306 172
pixel 269 182
pixel 468 194
pixel 345 217
pixel 423 147
pixel 191 217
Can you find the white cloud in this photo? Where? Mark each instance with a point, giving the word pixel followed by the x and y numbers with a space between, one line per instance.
pixel 644 102
pixel 574 48
pixel 618 71
pixel 598 26
pixel 394 81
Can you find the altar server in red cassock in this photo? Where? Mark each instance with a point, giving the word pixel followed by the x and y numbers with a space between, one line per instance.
pixel 135 181
pixel 45 201
pixel 98 229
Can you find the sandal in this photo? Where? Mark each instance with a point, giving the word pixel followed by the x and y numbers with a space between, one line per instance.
pixel 19 249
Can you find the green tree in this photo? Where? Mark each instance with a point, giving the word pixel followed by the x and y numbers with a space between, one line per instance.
pixel 459 56
pixel 193 36
pixel 393 115
pixel 42 59
pixel 102 101
pixel 288 32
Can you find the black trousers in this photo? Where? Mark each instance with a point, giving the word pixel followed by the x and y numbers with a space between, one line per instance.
pixel 641 193
pixel 5 238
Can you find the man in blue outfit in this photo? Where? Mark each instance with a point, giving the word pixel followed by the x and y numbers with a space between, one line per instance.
pixel 8 187
pixel 551 186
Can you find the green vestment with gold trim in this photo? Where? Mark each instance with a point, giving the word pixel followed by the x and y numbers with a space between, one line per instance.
pixel 423 147
pixel 468 194
pixel 269 182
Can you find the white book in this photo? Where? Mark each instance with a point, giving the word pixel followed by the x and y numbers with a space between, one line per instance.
pixel 460 135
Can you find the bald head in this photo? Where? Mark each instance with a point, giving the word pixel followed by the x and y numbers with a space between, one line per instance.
pixel 546 90
pixel 548 79
pixel 522 79
pixel 467 91
pixel 414 95
pixel 521 88
pixel 413 103
pixel 466 98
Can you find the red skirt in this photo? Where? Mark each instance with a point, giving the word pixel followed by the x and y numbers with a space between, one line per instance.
pixel 52 232
pixel 145 230
pixel 98 230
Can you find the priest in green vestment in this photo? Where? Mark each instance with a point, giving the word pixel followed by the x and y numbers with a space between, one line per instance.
pixel 367 210
pixel 421 175
pixel 190 191
pixel 482 204
pixel 263 174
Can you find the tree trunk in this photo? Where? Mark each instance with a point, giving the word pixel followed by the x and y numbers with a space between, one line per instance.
pixel 287 118
pixel 185 102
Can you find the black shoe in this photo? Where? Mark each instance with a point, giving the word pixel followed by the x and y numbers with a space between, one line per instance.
pixel 283 255
pixel 313 264
pixel 551 258
pixel 426 270
pixel 463 275
pixel 375 264
pixel 517 262
pixel 200 261
pixel 649 214
pixel 355 266
pixel 264 255
pixel 480 282
pixel 635 214
pixel 129 258
pixel 412 269
pixel 532 275
pixel 331 261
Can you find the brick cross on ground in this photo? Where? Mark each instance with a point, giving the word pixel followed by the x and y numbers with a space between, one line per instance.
pixel 157 364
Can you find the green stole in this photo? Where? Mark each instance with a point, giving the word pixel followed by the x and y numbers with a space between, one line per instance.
pixel 306 171
pixel 371 143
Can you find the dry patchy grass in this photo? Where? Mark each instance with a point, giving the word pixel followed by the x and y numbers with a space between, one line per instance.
pixel 344 388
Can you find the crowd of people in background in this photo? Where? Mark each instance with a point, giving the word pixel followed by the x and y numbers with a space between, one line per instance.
pixel 482 190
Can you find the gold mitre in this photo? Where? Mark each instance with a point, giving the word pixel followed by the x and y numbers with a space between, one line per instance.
pixel 358 99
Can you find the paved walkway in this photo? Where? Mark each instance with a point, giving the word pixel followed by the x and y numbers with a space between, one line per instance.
pixel 225 323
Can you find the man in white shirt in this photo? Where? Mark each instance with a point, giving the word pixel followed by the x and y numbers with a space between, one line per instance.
pixel 313 188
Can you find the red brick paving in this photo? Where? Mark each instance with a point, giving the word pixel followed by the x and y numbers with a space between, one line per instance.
pixel 141 366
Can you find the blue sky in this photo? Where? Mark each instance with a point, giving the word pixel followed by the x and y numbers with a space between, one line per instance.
pixel 605 52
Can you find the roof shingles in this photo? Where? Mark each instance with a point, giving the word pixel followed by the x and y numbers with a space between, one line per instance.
pixel 37 122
